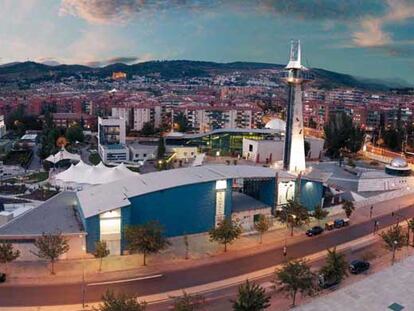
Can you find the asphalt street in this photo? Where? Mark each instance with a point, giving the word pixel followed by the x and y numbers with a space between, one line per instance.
pixel 39 295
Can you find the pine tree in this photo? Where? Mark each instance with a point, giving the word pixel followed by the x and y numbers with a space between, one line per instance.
pixel 251 297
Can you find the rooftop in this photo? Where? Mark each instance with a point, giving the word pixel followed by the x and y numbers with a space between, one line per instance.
pixel 55 215
pixel 102 198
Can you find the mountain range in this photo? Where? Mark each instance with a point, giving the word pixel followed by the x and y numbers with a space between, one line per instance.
pixel 29 72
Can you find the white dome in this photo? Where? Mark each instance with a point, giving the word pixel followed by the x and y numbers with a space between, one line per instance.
pixel 398 162
pixel 276 124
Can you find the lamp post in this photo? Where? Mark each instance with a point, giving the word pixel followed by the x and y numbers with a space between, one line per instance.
pixel 394 248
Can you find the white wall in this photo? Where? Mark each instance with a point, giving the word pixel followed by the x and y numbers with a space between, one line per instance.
pixel 264 149
pixel 183 152
pixel 246 218
pixel 316 147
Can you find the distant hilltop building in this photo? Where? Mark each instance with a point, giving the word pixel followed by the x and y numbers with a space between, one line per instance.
pixel 119 75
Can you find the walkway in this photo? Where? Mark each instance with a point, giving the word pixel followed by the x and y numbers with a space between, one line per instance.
pixel 380 291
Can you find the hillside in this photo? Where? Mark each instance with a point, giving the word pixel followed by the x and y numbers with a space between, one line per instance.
pixel 29 72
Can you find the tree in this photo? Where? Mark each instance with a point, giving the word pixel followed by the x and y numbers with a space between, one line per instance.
pixel 7 254
pixel 312 123
pixel 341 134
pixel 120 302
pixel 187 246
pixel 101 251
pixel 294 214
pixel 251 297
pixel 348 207
pixel 411 227
pixel 394 239
pixel 335 267
pixel 51 246
pixel 307 147
pixel 295 276
pixel 147 129
pixel 226 232
pixel 262 225
pixel 188 302
pixel 146 239
pixel 319 213
pixel 74 133
pixel 161 148
pixel 182 123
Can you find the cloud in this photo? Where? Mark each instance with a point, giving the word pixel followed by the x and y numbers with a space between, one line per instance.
pixel 372 33
pixel 122 11
pixel 121 59
pixel 324 9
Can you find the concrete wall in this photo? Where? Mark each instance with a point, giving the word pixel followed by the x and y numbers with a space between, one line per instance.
pixel 384 184
pixel 27 248
pixel 246 218
pixel 316 147
pixel 261 150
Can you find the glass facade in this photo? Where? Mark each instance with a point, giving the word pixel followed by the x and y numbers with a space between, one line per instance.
pixel 227 143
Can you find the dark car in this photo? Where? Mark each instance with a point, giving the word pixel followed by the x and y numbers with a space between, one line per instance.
pixel 314 231
pixel 339 223
pixel 358 266
pixel 325 282
pixel 2 277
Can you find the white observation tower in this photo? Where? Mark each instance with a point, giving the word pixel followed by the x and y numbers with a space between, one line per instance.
pixel 295 75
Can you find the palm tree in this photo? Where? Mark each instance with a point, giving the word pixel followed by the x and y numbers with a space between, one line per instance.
pixel 251 297
pixel 348 207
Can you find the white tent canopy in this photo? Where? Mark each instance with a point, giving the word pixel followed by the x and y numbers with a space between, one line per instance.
pixel 63 154
pixel 83 173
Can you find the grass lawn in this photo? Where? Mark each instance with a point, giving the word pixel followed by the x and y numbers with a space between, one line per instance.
pixel 40 176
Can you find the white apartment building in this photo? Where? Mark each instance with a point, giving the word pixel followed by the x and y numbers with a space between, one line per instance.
pixel 142 115
pixel 2 126
pixel 111 140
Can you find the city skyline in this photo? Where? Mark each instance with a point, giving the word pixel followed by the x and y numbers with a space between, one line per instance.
pixel 352 37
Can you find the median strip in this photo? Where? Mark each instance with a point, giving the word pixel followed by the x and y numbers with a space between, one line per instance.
pixel 155 276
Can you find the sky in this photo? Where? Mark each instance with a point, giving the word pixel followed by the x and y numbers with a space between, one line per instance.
pixel 365 38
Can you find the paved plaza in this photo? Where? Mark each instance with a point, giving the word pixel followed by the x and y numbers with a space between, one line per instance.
pixel 390 289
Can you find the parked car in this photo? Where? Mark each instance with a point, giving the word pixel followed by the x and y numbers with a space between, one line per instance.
pixel 2 277
pixel 339 223
pixel 314 231
pixel 325 282
pixel 358 266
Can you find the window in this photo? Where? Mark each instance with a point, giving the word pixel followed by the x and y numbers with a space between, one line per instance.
pixel 250 147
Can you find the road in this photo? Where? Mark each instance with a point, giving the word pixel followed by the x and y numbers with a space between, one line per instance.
pixel 22 295
pixel 221 299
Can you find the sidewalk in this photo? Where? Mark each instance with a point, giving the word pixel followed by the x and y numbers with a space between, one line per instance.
pixel 201 252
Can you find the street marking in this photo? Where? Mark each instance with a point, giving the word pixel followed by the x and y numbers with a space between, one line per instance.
pixel 155 276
